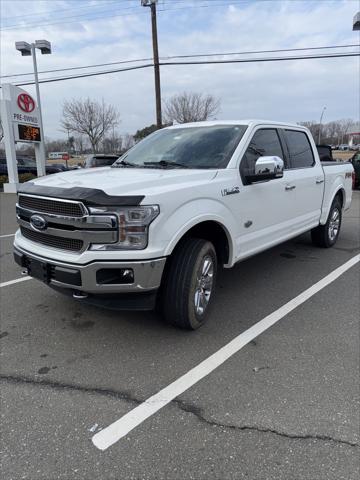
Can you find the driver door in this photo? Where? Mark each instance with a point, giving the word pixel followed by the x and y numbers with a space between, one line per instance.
pixel 265 209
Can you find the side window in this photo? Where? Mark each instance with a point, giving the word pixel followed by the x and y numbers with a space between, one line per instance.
pixel 264 142
pixel 300 151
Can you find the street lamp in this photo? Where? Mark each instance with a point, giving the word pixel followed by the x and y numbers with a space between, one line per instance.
pixel 356 21
pixel 321 117
pixel 27 49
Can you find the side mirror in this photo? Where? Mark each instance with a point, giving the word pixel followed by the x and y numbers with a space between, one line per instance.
pixel 267 168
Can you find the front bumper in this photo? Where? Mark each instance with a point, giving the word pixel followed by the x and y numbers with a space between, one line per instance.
pixel 98 277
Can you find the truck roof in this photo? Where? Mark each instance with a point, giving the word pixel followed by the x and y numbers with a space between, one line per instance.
pixel 250 122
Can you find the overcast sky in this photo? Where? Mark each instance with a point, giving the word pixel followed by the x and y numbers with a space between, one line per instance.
pixel 84 32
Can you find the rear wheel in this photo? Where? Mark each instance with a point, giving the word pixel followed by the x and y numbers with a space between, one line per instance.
pixel 326 235
pixel 189 284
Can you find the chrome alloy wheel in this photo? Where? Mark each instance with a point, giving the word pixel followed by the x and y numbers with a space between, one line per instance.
pixel 204 284
pixel 334 224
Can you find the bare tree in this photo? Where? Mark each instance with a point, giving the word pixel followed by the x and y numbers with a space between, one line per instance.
pixel 190 107
pixel 60 145
pixel 127 142
pixel 313 127
pixel 345 126
pixel 90 118
pixel 112 143
pixel 79 143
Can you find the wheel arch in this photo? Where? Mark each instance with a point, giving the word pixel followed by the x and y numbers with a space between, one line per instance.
pixel 338 192
pixel 208 229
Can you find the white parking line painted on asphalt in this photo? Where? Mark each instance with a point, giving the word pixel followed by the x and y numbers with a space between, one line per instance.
pixel 17 280
pixel 120 428
pixel 5 236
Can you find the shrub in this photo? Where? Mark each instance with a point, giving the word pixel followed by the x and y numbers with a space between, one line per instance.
pixel 23 177
pixel 3 179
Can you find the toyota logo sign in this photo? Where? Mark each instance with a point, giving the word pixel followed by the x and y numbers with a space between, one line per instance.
pixel 25 102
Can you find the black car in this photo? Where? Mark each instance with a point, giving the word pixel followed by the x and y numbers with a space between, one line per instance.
pixel 355 160
pixel 28 165
pixel 100 160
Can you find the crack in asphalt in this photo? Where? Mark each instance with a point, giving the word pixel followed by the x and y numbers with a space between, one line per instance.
pixel 198 412
pixel 125 395
pixel 184 406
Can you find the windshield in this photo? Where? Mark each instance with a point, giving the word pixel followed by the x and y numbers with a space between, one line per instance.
pixel 191 147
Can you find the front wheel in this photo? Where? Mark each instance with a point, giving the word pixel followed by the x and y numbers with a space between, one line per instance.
pixel 189 285
pixel 326 235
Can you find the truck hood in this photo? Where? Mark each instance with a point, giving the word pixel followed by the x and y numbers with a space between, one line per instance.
pixel 128 181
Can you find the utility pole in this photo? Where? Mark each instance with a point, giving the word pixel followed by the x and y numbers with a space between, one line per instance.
pixel 152 5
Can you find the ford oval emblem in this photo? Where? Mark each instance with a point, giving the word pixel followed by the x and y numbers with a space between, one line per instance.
pixel 38 222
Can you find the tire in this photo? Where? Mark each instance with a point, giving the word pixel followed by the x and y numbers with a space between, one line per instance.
pixel 325 236
pixel 189 283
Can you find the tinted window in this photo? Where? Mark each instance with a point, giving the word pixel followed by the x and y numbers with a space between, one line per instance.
pixel 300 150
pixel 264 142
pixel 103 161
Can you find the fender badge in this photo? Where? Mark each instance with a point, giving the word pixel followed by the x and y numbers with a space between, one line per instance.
pixel 230 191
pixel 248 224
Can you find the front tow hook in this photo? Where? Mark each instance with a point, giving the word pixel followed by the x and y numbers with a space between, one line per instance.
pixel 79 295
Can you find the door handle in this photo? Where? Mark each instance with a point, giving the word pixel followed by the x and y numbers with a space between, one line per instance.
pixel 319 181
pixel 290 187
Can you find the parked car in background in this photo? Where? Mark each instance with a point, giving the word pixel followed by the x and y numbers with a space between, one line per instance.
pixel 100 160
pixel 355 160
pixel 28 165
pixel 343 147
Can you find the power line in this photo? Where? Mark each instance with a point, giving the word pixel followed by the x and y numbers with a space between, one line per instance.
pixel 198 62
pixel 45 13
pixel 21 26
pixel 79 17
pixel 254 52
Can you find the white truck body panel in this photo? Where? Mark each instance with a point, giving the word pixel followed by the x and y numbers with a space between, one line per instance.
pixel 257 217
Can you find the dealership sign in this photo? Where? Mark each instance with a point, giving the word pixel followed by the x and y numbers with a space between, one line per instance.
pixel 24 116
pixel 21 122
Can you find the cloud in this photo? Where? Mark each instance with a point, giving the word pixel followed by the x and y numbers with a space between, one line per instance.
pixel 290 91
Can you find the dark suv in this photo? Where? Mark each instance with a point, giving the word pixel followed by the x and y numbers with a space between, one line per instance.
pixel 100 160
pixel 28 165
pixel 355 160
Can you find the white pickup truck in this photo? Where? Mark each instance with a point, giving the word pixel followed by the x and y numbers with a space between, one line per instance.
pixel 154 228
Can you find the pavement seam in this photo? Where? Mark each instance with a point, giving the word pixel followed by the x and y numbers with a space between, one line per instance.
pixel 185 407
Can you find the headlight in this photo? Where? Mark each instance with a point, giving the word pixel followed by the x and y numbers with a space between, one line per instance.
pixel 133 226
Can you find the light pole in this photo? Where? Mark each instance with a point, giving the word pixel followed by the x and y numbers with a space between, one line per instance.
pixel 152 5
pixel 356 22
pixel 26 50
pixel 321 117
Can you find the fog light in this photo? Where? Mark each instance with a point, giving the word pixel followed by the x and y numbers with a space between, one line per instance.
pixel 115 276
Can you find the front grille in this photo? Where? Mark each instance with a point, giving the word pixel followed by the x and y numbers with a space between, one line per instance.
pixel 72 244
pixel 47 205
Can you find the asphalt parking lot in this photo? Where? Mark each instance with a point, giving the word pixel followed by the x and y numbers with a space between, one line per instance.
pixel 286 406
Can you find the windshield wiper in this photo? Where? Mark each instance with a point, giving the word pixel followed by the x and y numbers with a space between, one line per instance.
pixel 166 164
pixel 124 163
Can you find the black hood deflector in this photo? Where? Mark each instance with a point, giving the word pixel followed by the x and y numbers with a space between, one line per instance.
pixel 89 196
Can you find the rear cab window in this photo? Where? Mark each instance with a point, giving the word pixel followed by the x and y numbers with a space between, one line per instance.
pixel 299 148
